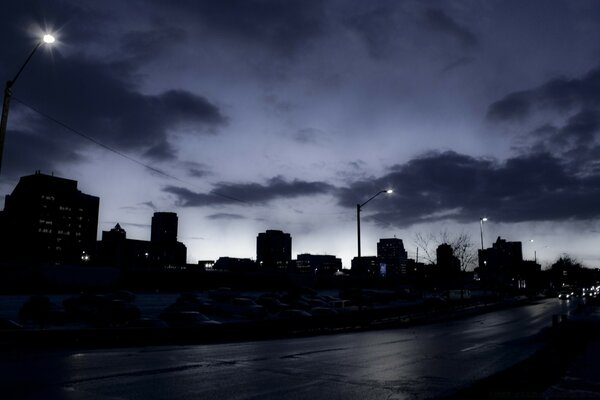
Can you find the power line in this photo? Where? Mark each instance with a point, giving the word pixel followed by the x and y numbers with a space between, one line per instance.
pixel 115 151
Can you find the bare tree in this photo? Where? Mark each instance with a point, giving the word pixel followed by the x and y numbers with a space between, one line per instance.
pixel 462 245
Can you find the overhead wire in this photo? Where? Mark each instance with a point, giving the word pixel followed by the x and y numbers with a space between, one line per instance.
pixel 115 151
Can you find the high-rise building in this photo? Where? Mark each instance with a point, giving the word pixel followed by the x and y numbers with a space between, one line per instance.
pixel 392 256
pixel 164 227
pixel 501 264
pixel 447 262
pixel 274 249
pixel 502 254
pixel 165 249
pixel 47 219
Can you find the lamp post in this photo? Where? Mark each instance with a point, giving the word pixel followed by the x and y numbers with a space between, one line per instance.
pixel 359 207
pixel 47 39
pixel 481 221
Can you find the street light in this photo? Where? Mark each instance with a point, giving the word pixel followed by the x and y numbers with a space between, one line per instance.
pixel 481 221
pixel 358 208
pixel 46 39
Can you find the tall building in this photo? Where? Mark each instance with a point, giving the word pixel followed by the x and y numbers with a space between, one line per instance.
pixel 165 249
pixel 447 263
pixel 392 256
pixel 47 219
pixel 500 264
pixel 274 249
pixel 502 254
pixel 164 227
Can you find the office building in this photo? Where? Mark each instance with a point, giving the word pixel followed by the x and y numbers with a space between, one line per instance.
pixel 392 256
pixel 318 264
pixel 163 249
pixel 46 219
pixel 274 249
pixel 164 227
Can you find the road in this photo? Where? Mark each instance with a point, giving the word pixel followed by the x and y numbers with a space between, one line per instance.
pixel 409 363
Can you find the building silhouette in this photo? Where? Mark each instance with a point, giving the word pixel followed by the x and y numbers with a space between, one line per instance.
pixel 115 250
pixel 164 227
pixel 163 249
pixel 392 257
pixel 274 249
pixel 366 267
pixel 447 262
pixel 232 264
pixel 501 264
pixel 46 219
pixel 318 264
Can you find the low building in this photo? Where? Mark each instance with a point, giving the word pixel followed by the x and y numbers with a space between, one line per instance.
pixel 232 264
pixel 162 251
pixel 318 264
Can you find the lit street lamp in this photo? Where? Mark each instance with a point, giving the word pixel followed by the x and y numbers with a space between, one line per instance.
pixel 481 221
pixel 358 208
pixel 47 39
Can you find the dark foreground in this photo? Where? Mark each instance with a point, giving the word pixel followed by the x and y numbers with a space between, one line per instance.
pixel 567 367
pixel 415 362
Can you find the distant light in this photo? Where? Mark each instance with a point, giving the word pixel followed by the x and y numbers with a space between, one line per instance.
pixel 484 219
pixel 389 191
pixel 48 38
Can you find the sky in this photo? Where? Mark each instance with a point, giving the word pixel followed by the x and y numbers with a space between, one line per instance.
pixel 248 115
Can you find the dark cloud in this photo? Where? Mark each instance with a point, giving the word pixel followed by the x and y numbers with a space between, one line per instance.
pixel 452 186
pixel 94 92
pixel 92 98
pixel 570 107
pixel 146 44
pixel 580 129
pixel 226 216
pixel 560 94
pixel 162 151
pixel 442 22
pixel 248 193
pixel 379 28
pixel 514 106
pixel 462 61
pixel 307 135
pixel 285 26
pixel 196 169
pixel 25 152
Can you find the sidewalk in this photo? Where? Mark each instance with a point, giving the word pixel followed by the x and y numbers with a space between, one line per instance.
pixel 581 379
pixel 568 367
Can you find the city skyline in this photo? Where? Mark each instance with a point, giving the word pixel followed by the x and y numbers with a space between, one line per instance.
pixel 285 115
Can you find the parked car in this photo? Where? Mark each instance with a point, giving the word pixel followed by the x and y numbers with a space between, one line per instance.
pixel 244 307
pixel 146 323
pixel 9 324
pixel 292 315
pixel 98 310
pixel 272 304
pixel 186 319
pixel 41 310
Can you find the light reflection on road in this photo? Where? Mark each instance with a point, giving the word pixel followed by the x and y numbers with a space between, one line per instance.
pixel 415 362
